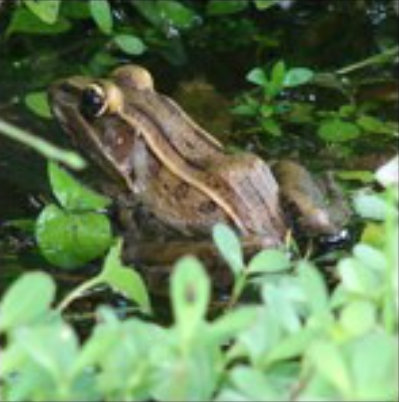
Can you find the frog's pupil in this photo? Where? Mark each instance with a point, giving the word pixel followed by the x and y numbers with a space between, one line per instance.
pixel 91 103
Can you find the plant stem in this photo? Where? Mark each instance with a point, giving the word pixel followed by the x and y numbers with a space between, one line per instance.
pixel 237 290
pixel 375 59
pixel 77 292
pixel 41 146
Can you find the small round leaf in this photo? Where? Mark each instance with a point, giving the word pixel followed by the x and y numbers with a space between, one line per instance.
pixel 130 44
pixel 336 130
pixel 70 240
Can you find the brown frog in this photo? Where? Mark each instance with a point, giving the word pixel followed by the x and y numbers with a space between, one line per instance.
pixel 176 173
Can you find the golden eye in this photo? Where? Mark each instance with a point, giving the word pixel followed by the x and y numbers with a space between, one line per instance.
pixel 93 101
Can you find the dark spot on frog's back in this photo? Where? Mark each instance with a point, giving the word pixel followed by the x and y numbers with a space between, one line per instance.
pixel 181 190
pixel 207 207
pixel 189 145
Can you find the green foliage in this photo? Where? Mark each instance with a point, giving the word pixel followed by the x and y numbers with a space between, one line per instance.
pixel 72 195
pixel 101 12
pixel 130 44
pixel 77 233
pixel 37 102
pixel 26 300
pixel 70 240
pixel 300 342
pixel 301 337
pixel 229 247
pixel 74 234
pixel 267 109
pixel 221 7
pixel 24 21
pixel 119 277
pixel 337 130
pixel 124 279
pixel 47 11
pixel 167 13
pixel 176 14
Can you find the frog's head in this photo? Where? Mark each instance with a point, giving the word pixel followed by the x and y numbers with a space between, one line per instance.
pixel 92 111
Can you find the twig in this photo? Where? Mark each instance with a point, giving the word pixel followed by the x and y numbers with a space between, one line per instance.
pixel 70 158
pixel 378 58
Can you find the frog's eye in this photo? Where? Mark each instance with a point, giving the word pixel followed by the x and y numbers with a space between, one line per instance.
pixel 93 101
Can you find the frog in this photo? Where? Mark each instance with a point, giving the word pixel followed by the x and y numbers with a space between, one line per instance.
pixel 176 179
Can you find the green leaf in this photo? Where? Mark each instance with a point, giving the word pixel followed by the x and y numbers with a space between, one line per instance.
pixel 245 109
pixel 150 11
pixel 71 240
pixel 101 13
pixel 130 44
pixel 125 279
pixel 26 300
pixel 374 364
pixel 75 10
pixel 271 126
pixel 253 384
pixel 265 4
pixel 262 337
pixel 266 110
pixel 336 130
pixel 176 13
pixel 25 22
pixel 329 362
pixel 269 261
pixel 364 176
pixel 388 173
pixel 358 317
pixel 370 206
pixel 71 194
pixel 190 293
pixel 257 76
pixel 230 324
pixel 46 10
pixel 297 76
pixel 347 110
pixel 293 345
pixel 26 226
pixel 356 278
pixel 96 347
pixel 374 125
pixel 12 359
pixel 52 347
pixel 277 78
pixel 314 287
pixel 374 234
pixel 275 299
pixel 188 376
pixel 370 257
pixel 222 7
pixel 37 102
pixel 229 246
